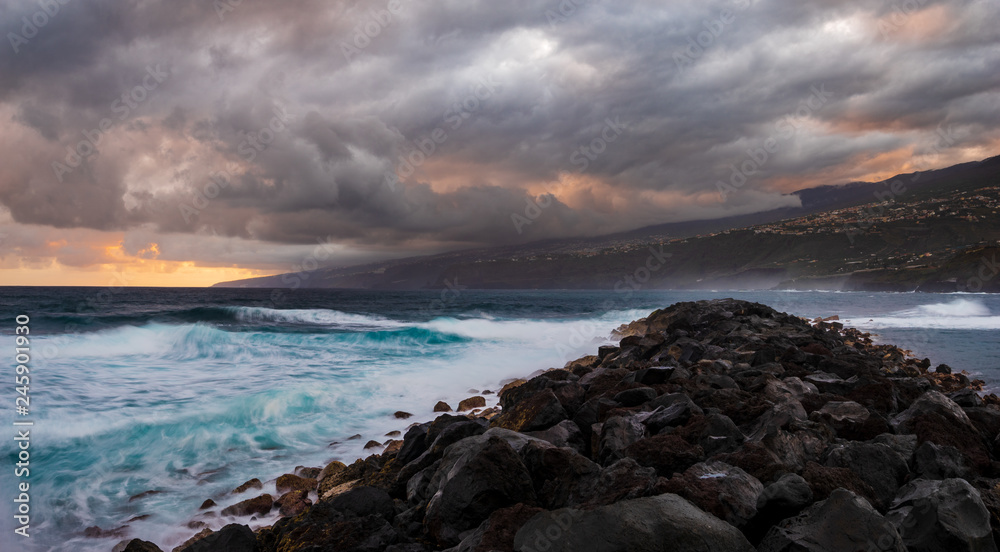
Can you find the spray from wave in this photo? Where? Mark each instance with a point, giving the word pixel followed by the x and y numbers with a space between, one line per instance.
pixel 959 314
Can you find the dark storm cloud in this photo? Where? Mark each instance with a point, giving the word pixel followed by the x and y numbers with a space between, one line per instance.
pixel 285 122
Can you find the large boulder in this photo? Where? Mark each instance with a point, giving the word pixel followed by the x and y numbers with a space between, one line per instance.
pixel 931 402
pixel 664 523
pixel 933 461
pixel 942 516
pixel 564 434
pixel 476 476
pixel 935 418
pixel 534 413
pixel 559 474
pixel 497 532
pixel 254 506
pixel 667 454
pixel 844 522
pixel 784 498
pixel 617 433
pixel 877 465
pixel 724 491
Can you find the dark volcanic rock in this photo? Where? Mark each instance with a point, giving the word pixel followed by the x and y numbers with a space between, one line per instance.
pixel 442 406
pixel 137 545
pixel 289 482
pixel 939 462
pixel 498 532
pixel 724 491
pixel 564 434
pixel 616 435
pixel 877 465
pixel 749 413
pixel 840 523
pixel 824 480
pixel 477 476
pixel 364 501
pixel 323 528
pixel 293 503
pixel 664 523
pixel 231 538
pixel 635 397
pixel 942 516
pixel 471 402
pixel 537 412
pixel 253 506
pixel 668 454
pixel 780 500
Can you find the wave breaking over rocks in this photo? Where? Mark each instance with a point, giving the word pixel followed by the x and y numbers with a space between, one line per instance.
pixel 713 426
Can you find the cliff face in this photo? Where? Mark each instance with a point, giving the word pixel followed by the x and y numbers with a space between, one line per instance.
pixel 713 426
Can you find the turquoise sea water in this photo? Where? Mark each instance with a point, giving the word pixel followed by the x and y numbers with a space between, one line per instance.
pixel 189 393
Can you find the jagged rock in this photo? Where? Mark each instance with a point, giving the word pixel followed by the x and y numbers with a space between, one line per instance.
pixel 564 434
pixel 252 484
pixel 313 473
pixel 442 406
pixel 253 506
pixel 824 480
pixel 724 491
pixel 197 537
pixel 400 415
pixel 635 397
pixel 784 498
pixel 877 465
pixel 471 403
pixel 904 445
pixel 289 482
pixel 931 402
pixel 327 478
pixel 667 454
pixel 939 462
pixel 966 398
pixel 498 531
pixel 664 523
pixel 672 410
pixel 714 433
pixel 476 477
pixel 293 503
pixel 323 527
pixel 559 475
pixel 617 433
pixel 207 504
pixel 414 444
pixel 231 538
pixel 935 418
pixel 942 516
pixel 364 501
pixel 840 523
pixel 535 413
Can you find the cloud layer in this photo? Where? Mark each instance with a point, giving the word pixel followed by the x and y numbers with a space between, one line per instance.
pixel 412 126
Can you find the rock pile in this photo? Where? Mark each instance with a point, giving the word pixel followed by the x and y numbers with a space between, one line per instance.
pixel 713 426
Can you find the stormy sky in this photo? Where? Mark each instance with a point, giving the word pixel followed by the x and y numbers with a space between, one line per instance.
pixel 189 142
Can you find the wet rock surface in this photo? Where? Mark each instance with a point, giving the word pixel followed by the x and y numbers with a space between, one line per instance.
pixel 715 425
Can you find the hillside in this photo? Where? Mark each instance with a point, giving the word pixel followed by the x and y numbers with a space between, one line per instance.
pixel 929 231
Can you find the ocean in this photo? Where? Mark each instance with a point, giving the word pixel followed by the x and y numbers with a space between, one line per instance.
pixel 190 392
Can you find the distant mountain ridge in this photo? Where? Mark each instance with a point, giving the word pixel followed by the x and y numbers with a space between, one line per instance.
pixel 733 252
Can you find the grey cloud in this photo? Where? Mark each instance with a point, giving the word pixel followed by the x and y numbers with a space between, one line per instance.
pixel 552 85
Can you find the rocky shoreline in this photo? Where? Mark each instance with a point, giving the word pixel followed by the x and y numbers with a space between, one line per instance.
pixel 713 426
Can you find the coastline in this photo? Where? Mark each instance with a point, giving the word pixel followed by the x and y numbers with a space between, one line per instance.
pixel 661 404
